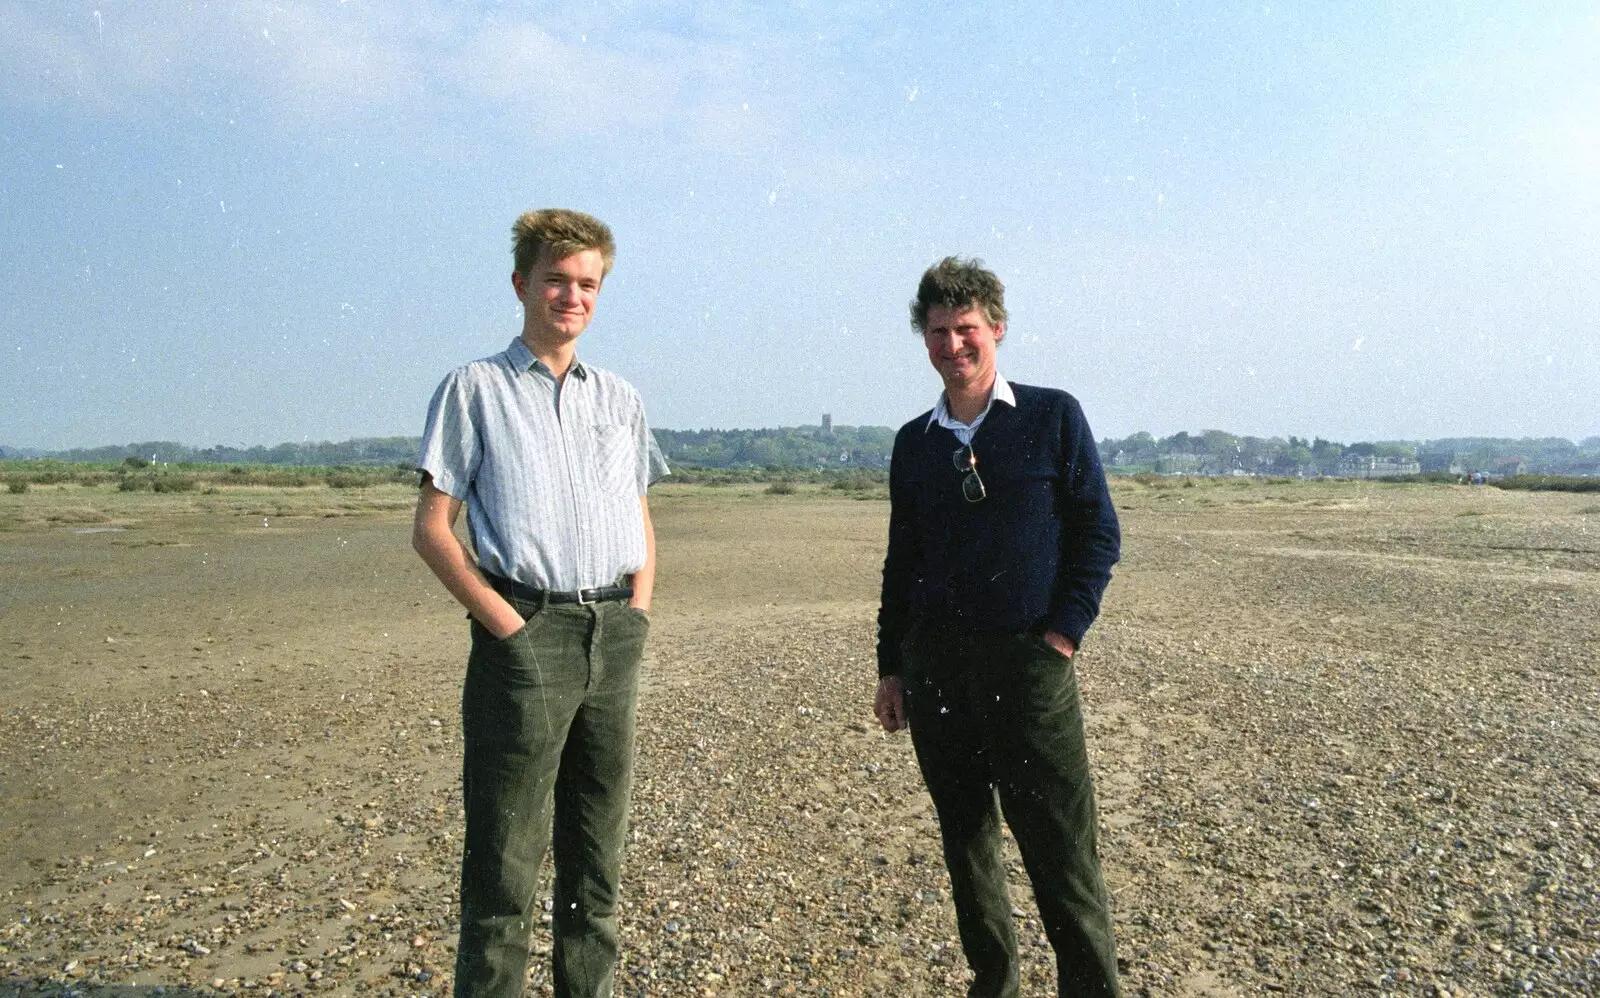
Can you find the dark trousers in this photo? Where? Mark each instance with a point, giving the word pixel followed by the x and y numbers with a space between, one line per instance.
pixel 548 718
pixel 996 716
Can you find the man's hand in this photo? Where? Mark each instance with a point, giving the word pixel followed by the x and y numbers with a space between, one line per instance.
pixel 890 703
pixel 1061 643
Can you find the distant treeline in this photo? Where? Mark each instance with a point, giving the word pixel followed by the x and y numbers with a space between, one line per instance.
pixel 1217 452
pixel 785 447
pixel 842 448
pixel 796 447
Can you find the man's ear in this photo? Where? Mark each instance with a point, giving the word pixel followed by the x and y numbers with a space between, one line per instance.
pixel 999 333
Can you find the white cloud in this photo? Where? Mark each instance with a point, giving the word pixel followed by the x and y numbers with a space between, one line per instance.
pixel 555 83
pixel 68 58
pixel 425 62
pixel 117 60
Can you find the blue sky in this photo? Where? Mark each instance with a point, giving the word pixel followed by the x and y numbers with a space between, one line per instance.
pixel 257 222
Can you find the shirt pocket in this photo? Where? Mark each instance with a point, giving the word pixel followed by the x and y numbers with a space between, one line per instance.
pixel 616 459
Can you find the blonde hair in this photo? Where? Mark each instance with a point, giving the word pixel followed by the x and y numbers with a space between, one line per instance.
pixel 560 232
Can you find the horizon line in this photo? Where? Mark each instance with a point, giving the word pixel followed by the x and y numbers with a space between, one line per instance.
pixel 7 450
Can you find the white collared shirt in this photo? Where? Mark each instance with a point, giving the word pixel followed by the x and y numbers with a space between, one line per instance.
pixel 964 431
pixel 551 479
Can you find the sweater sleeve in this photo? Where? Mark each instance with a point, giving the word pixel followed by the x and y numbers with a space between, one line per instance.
pixel 899 564
pixel 1091 541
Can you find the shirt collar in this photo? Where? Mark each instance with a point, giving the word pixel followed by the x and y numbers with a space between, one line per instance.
pixel 522 359
pixel 999 392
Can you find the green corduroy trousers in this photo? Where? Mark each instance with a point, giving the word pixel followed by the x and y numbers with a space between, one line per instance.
pixel 998 730
pixel 548 719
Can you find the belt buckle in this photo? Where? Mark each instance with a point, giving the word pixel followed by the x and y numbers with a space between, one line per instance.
pixel 594 598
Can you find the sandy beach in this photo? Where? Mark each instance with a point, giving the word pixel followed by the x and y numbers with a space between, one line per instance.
pixel 1345 737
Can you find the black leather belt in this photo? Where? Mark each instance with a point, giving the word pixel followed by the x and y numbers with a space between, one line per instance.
pixel 558 597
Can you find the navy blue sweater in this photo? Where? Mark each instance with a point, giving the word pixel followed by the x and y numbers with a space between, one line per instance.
pixel 1035 555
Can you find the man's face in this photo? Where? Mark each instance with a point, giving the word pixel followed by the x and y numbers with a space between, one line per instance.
pixel 558 296
pixel 961 344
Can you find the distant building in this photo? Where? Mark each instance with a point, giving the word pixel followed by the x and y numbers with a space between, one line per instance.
pixel 1371 466
pixel 827 424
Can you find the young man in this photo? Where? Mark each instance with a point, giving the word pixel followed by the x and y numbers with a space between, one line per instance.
pixel 552 458
pixel 1001 540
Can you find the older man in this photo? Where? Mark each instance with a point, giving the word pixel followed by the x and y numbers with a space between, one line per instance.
pixel 552 458
pixel 1001 540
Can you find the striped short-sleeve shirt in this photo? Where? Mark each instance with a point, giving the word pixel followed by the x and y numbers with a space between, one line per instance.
pixel 551 474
